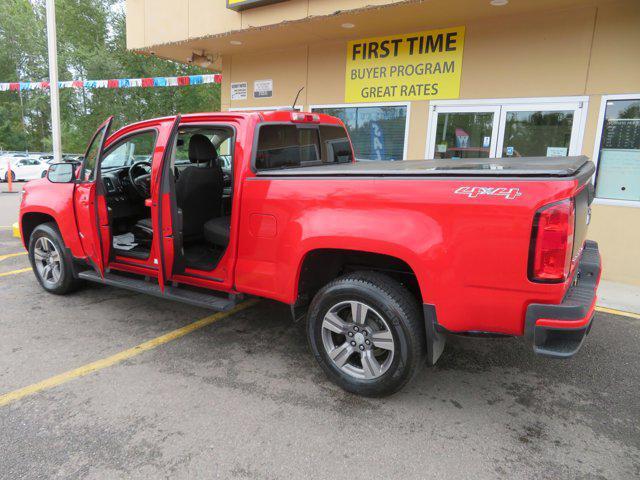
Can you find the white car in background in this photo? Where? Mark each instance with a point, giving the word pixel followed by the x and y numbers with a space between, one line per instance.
pixel 23 168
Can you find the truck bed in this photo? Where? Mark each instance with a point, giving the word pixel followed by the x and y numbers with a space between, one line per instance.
pixel 468 167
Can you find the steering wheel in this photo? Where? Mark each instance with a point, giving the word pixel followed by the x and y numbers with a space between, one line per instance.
pixel 142 182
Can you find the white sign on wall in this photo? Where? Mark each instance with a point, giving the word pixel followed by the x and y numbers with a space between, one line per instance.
pixel 239 91
pixel 263 88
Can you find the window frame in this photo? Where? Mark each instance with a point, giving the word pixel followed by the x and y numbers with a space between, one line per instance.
pixel 212 124
pixel 101 134
pixel 315 126
pixel 374 104
pixel 596 148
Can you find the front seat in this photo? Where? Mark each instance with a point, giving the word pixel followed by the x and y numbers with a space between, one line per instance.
pixel 200 187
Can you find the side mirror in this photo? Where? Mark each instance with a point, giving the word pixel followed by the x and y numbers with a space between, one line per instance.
pixel 61 173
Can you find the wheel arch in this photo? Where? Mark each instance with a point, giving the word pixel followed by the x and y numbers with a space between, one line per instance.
pixel 319 266
pixel 30 220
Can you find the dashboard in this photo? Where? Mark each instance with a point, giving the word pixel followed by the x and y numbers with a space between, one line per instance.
pixel 122 198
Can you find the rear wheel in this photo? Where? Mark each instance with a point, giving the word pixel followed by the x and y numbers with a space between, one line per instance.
pixel 51 262
pixel 13 176
pixel 367 333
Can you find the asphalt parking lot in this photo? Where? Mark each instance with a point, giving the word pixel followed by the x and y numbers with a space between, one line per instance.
pixel 243 398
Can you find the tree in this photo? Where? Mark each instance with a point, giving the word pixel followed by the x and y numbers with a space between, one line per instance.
pixel 91 45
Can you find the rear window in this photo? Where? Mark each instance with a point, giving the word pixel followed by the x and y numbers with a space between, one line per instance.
pixel 281 146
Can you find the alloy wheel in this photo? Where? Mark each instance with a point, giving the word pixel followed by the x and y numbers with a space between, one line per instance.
pixel 358 340
pixel 47 260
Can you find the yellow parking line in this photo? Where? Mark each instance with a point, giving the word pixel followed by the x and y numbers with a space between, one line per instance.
pixel 10 255
pixel 118 357
pixel 15 272
pixel 613 311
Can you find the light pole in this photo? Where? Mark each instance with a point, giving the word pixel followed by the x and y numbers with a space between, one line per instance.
pixel 53 80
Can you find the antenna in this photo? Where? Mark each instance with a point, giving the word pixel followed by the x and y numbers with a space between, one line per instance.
pixel 293 107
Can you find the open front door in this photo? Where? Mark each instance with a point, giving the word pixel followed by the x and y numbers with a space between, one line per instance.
pixel 90 205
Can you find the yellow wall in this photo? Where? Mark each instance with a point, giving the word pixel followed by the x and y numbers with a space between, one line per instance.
pixel 585 48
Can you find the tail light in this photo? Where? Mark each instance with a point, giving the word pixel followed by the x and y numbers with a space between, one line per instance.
pixel 552 242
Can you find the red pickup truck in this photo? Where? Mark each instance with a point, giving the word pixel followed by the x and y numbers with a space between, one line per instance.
pixel 384 259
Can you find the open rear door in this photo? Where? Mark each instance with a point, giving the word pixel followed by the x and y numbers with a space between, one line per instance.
pixel 164 221
pixel 90 205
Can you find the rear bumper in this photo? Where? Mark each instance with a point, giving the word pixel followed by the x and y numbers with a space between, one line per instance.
pixel 558 331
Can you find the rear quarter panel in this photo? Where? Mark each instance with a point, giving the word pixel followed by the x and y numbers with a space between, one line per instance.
pixel 470 255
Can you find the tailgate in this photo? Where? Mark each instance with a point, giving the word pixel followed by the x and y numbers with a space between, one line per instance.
pixel 582 218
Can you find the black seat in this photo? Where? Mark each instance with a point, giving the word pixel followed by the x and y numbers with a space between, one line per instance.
pixel 199 188
pixel 216 231
pixel 143 232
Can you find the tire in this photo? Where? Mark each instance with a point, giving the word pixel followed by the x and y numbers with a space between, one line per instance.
pixel 13 176
pixel 46 243
pixel 395 329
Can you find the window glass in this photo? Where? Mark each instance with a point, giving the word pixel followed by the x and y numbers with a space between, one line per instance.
pixel 537 133
pixel 135 149
pixel 464 135
pixel 224 155
pixel 88 167
pixel 219 137
pixel 335 144
pixel 618 174
pixel 377 133
pixel 287 146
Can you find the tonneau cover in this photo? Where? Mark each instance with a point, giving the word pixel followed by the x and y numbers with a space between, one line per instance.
pixel 467 167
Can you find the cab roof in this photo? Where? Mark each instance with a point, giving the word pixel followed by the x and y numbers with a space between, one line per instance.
pixel 280 116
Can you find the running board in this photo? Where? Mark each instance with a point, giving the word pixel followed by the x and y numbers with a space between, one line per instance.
pixel 198 299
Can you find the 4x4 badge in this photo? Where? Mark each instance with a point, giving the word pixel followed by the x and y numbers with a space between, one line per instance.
pixel 474 192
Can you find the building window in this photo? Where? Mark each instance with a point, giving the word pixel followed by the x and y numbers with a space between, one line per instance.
pixel 377 132
pixel 618 176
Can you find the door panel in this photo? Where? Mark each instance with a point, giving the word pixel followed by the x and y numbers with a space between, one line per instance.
pixel 90 205
pixel 162 218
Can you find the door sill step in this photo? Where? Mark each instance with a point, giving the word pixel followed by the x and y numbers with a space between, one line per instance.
pixel 180 294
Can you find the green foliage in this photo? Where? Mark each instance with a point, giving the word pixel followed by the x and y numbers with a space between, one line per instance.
pixel 91 46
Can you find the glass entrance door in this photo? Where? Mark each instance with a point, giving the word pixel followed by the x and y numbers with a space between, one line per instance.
pixel 539 130
pixel 546 129
pixel 465 132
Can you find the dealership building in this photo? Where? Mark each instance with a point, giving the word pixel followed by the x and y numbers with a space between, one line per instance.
pixel 436 79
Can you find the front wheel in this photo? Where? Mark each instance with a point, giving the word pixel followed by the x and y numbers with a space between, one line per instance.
pixel 367 334
pixel 51 262
pixel 13 176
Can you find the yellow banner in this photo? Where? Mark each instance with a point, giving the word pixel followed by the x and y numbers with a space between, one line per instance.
pixel 416 66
